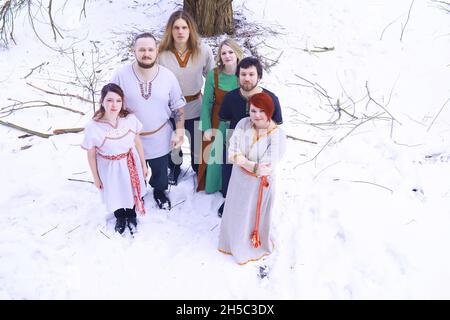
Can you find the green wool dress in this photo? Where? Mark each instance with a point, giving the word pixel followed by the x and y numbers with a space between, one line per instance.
pixel 226 83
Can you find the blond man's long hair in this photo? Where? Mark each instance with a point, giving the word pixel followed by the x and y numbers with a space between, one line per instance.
pixel 193 43
pixel 233 45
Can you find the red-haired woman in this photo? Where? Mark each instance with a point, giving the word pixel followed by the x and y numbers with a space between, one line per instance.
pixel 256 147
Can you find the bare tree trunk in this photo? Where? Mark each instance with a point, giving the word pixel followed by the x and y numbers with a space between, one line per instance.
pixel 213 17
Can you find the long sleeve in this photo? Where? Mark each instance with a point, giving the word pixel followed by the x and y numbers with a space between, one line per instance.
pixel 207 102
pixel 276 147
pixel 236 148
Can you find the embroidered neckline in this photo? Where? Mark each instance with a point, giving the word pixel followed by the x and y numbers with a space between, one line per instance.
pixel 145 87
pixel 109 123
pixel 182 62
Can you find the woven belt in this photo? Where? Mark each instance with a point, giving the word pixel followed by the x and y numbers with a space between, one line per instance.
pixel 149 133
pixel 134 177
pixel 193 97
pixel 263 183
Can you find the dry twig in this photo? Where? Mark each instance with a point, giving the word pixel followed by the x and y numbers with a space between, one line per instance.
pixel 432 122
pixel 35 133
pixel 298 139
pixel 315 155
pixel 407 19
pixel 49 230
pixel 59 94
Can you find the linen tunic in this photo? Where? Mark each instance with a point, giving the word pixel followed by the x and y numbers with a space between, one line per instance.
pixel 117 191
pixel 191 76
pixel 165 97
pixel 239 213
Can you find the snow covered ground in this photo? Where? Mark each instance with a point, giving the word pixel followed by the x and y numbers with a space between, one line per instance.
pixel 362 214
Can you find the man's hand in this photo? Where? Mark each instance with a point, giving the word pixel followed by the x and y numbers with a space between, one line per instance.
pixel 177 138
pixel 207 135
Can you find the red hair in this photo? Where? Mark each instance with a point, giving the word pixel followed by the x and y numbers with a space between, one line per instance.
pixel 264 102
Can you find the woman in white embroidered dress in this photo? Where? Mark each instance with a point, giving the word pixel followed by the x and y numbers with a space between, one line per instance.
pixel 256 146
pixel 116 158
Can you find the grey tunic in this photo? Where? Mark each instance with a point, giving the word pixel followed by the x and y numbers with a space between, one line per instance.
pixel 239 214
pixel 155 111
pixel 117 191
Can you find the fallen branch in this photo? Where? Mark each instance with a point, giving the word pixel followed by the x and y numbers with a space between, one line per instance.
pixel 79 180
pixel 378 104
pixel 104 234
pixel 359 181
pixel 178 203
pixel 315 155
pixel 32 69
pixel 74 229
pixel 432 122
pixel 298 139
pixel 49 231
pixel 362 122
pixel 41 105
pixel 407 19
pixel 382 33
pixel 315 177
pixel 60 94
pixel 35 133
pixel 68 130
pixel 319 49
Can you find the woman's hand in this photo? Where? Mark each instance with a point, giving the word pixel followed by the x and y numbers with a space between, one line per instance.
pixel 264 169
pixel 145 170
pixel 98 183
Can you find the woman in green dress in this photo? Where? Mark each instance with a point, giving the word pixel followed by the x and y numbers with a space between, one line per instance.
pixel 218 82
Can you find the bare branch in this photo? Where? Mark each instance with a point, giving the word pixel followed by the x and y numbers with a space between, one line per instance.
pixel 79 180
pixel 60 94
pixel 67 130
pixel 298 139
pixel 407 19
pixel 35 133
pixel 375 184
pixel 378 104
pixel 49 230
pixel 315 155
pixel 432 122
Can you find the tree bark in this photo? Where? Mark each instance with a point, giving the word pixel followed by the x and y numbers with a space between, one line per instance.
pixel 213 17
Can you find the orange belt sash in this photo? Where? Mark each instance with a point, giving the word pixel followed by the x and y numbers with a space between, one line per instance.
pixel 263 183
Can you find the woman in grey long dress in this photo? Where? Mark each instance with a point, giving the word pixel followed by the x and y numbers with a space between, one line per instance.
pixel 256 146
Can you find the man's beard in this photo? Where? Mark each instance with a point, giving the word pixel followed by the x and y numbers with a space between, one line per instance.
pixel 145 65
pixel 248 87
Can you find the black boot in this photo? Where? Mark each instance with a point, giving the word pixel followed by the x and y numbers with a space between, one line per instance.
pixel 173 175
pixel 121 220
pixel 161 199
pixel 131 220
pixel 220 211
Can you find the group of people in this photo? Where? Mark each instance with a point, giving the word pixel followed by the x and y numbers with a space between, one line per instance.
pixel 233 130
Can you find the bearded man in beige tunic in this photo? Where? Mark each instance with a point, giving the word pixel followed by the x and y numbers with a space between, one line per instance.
pixel 256 147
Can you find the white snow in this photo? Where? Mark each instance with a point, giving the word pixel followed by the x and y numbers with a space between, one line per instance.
pixel 347 223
